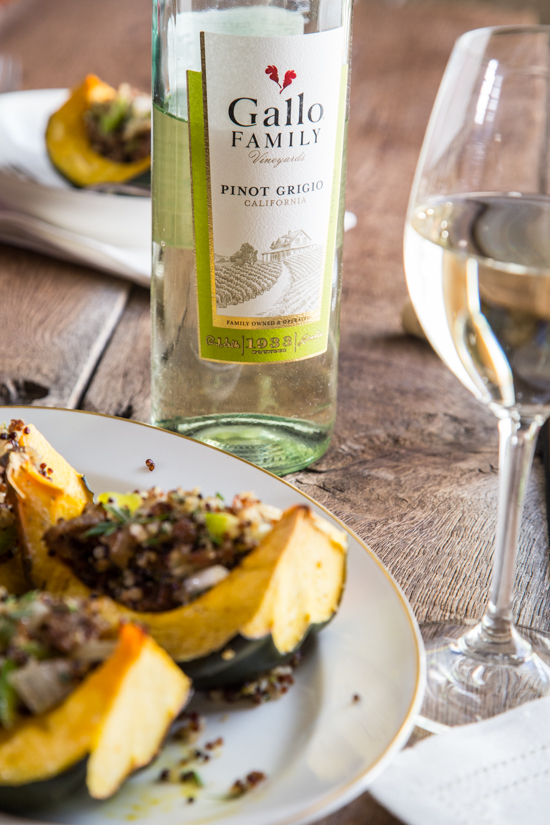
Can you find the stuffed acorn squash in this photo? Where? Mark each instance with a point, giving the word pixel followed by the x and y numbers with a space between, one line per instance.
pixel 267 581
pixel 101 135
pixel 77 706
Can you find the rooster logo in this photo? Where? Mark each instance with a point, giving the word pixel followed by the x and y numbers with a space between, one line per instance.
pixel 273 73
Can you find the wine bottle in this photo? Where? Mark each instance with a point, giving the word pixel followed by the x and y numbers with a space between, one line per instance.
pixel 249 135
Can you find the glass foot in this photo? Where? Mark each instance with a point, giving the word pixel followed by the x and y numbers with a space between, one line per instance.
pixel 463 688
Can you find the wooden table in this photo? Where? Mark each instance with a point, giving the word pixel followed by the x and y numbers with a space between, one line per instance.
pixel 412 467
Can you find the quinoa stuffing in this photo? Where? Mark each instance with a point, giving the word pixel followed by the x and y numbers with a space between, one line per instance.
pixel 242 786
pixel 268 686
pixel 189 727
pixel 175 775
pixel 47 646
pixel 164 549
pixel 120 128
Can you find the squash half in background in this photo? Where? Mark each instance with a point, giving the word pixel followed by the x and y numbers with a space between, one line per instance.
pixel 99 134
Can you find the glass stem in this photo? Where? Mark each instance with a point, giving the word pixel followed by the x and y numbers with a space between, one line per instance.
pixel 495 635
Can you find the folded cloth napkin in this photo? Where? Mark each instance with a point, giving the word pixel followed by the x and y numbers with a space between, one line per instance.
pixel 131 262
pixel 19 229
pixel 495 772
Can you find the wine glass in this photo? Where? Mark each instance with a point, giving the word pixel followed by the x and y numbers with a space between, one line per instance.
pixel 477 260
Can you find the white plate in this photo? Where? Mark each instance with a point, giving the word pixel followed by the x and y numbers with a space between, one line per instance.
pixel 318 748
pixel 112 219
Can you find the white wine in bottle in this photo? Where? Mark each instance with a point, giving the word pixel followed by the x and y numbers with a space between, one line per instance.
pixel 249 136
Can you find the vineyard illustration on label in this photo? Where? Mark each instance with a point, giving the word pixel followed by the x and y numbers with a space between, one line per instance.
pixel 286 280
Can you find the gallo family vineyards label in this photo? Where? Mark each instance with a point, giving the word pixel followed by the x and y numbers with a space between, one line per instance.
pixel 266 125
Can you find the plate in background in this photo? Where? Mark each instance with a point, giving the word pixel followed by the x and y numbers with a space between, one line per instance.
pixel 29 184
pixel 318 747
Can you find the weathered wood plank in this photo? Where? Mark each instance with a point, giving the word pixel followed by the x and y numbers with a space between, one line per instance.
pixel 121 385
pixel 61 41
pixel 55 320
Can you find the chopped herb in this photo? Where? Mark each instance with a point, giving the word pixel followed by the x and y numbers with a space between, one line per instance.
pixel 120 517
pixel 34 649
pixel 192 777
pixel 8 695
pixel 121 514
pixel 104 528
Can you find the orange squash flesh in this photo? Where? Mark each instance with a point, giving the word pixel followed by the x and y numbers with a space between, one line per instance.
pixel 41 500
pixel 152 693
pixel 48 744
pixel 119 715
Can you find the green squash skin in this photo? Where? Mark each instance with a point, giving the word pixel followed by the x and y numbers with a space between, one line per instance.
pixel 252 657
pixel 18 799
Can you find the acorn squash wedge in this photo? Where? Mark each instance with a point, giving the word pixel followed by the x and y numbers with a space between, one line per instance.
pixel 289 586
pixel 69 146
pixel 111 725
pixel 49 489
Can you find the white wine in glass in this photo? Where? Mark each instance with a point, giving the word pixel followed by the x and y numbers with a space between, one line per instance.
pixel 477 259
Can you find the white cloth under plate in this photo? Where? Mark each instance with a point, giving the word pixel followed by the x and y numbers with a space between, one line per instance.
pixel 495 772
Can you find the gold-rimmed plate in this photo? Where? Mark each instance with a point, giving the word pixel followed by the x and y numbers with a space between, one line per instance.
pixel 356 693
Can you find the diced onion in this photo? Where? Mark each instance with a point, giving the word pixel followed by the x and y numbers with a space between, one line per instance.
pixel 36 612
pixel 205 579
pixel 96 650
pixel 41 685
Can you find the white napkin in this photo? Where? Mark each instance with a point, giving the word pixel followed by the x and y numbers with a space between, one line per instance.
pixel 490 773
pixel 19 229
